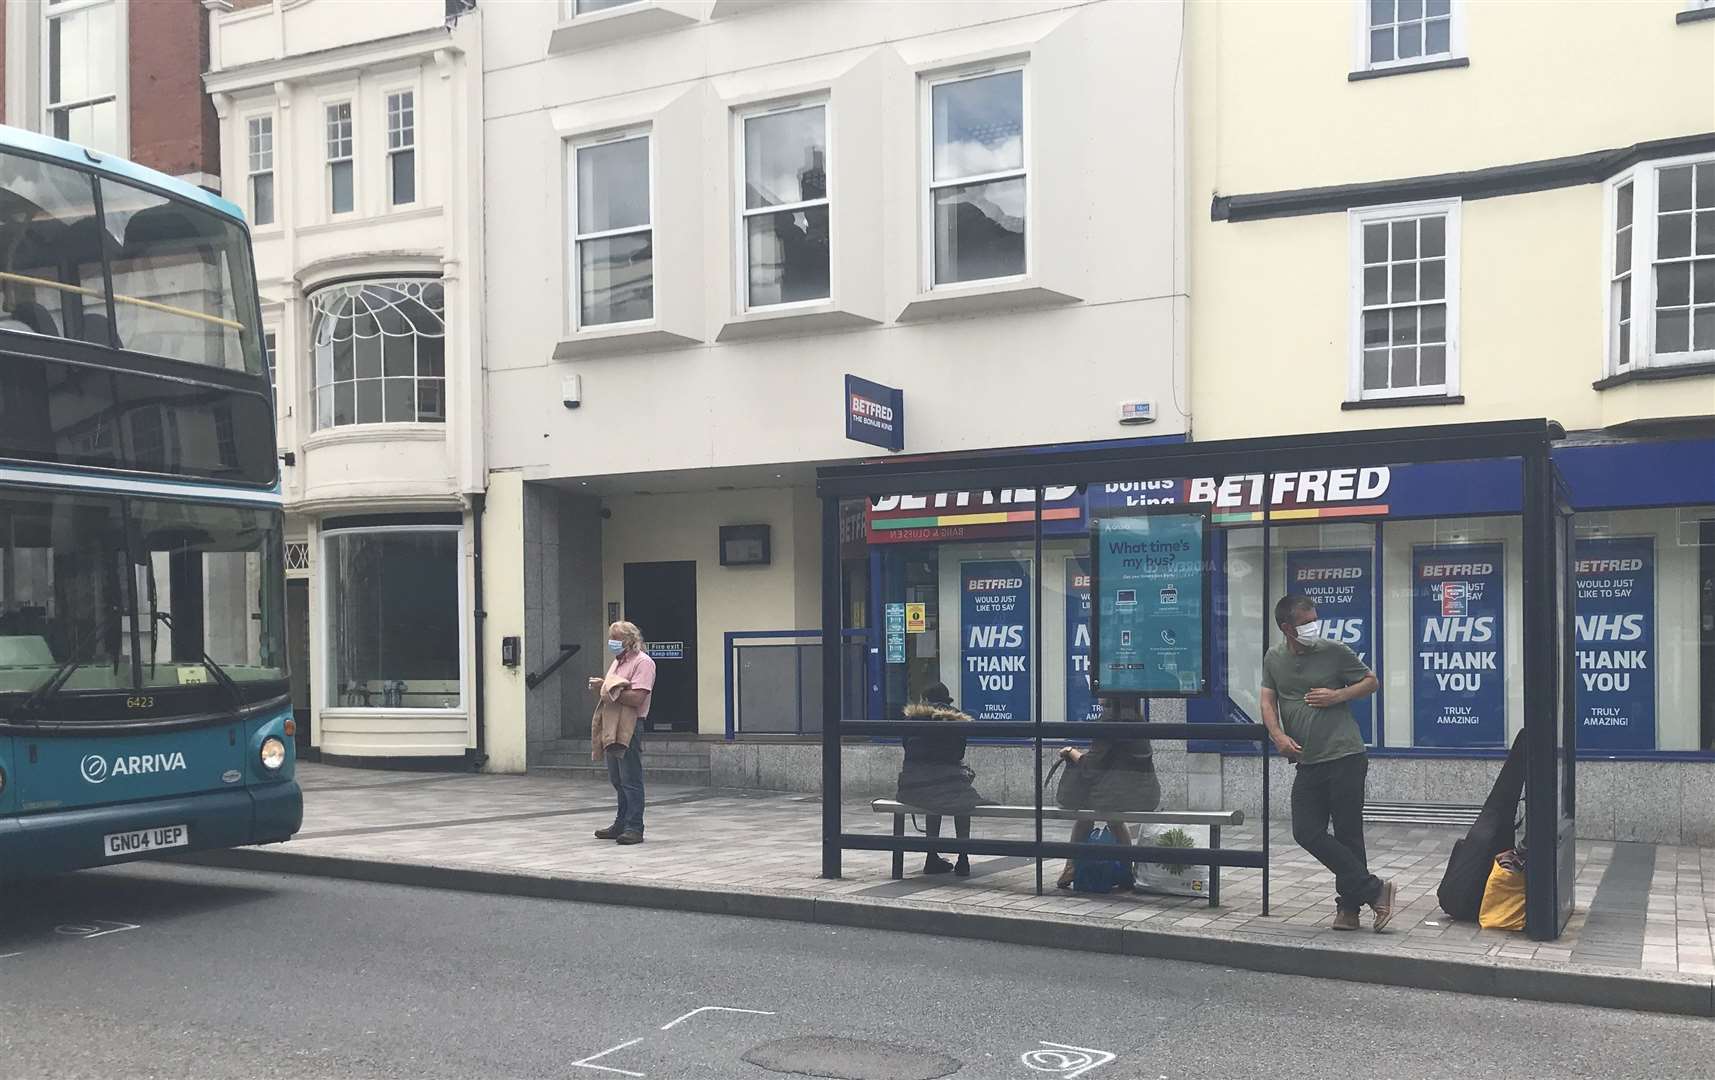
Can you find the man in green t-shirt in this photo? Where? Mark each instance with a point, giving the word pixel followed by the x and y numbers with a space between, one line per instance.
pixel 1308 685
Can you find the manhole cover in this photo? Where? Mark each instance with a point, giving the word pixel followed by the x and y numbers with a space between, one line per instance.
pixel 851 1059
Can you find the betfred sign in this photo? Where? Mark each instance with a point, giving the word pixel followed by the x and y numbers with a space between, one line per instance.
pixel 875 414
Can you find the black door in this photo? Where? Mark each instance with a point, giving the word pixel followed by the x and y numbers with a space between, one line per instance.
pixel 298 656
pixel 661 598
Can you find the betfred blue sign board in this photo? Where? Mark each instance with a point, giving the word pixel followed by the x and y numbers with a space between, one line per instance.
pixel 994 628
pixel 875 414
pixel 1342 586
pixel 1080 703
pixel 1458 600
pixel 1150 603
pixel 1614 643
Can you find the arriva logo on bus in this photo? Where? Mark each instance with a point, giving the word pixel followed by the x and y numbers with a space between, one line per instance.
pixel 96 768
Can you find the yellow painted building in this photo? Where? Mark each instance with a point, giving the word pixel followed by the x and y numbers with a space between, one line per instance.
pixel 1421 212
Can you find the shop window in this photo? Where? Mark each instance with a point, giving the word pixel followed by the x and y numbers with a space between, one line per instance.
pixel 613 241
pixel 978 208
pixel 784 214
pixel 86 72
pixel 393 628
pixel 380 353
pixel 1405 301
pixel 1661 254
pixel 590 7
pixel 1402 33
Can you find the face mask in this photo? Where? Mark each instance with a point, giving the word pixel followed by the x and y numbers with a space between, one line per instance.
pixel 615 647
pixel 1310 633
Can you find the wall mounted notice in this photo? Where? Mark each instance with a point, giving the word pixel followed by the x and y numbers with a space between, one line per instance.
pixel 1341 583
pixel 1615 643
pixel 894 616
pixel 1080 703
pixel 1150 601
pixel 1458 602
pixel 994 658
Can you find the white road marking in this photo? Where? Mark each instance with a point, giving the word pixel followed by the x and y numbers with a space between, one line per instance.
pixel 585 1063
pixel 1067 1061
pixel 90 932
pixel 712 1008
pixel 9 955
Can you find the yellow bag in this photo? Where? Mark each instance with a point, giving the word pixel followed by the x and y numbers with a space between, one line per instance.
pixel 1503 899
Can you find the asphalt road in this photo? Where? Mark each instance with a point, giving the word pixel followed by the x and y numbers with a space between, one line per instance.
pixel 187 973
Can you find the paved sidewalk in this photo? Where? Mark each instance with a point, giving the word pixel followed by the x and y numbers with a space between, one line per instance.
pixel 1643 910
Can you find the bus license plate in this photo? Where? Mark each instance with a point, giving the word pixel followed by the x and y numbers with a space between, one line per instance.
pixel 135 843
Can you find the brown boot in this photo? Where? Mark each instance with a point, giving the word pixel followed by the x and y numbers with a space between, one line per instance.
pixel 1345 920
pixel 1383 905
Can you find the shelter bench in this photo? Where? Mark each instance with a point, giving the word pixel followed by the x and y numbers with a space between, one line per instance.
pixel 1214 819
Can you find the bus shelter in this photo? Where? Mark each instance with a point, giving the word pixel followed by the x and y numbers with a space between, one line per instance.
pixel 1050 592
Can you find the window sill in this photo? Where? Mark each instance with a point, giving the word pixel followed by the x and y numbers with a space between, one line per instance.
pixel 630 339
pixel 1410 69
pixel 812 319
pixel 1403 402
pixel 1695 15
pixel 373 433
pixel 953 302
pixel 1656 374
pixel 592 31
pixel 727 9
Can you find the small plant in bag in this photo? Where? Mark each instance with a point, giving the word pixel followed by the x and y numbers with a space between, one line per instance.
pixel 1175 838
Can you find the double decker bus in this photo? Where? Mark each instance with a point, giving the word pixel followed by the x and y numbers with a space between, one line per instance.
pixel 144 703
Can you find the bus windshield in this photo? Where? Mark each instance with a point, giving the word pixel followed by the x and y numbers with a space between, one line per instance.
pixel 182 286
pixel 136 593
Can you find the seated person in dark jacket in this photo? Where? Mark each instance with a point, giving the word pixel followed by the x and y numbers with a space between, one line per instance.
pixel 1113 774
pixel 935 777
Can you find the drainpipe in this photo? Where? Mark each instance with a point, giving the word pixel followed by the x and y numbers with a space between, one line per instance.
pixel 479 757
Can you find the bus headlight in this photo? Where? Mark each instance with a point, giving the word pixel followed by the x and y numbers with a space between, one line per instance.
pixel 273 753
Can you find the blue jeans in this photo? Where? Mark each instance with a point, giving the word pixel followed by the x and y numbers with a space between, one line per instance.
pixel 625 770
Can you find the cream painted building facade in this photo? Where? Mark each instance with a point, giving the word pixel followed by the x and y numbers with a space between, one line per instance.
pixel 1432 212
pixel 350 135
pixel 704 216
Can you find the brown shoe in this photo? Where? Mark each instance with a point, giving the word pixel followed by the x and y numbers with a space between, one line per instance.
pixel 629 838
pixel 612 832
pixel 1345 920
pixel 1383 905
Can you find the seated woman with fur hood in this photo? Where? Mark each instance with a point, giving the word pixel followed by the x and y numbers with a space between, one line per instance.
pixel 935 778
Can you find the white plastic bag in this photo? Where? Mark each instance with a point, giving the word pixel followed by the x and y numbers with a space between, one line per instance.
pixel 1170 879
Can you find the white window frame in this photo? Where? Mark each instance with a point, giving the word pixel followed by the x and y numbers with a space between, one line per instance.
pixel 741 238
pixel 413 147
pixel 1456 48
pixel 1373 215
pixel 574 270
pixel 350 156
pixel 121 80
pixel 569 8
pixel 927 184
pixel 1645 200
pixel 251 172
pixel 324 589
pixel 271 355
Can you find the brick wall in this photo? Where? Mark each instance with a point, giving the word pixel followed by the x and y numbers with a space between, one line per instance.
pixel 173 125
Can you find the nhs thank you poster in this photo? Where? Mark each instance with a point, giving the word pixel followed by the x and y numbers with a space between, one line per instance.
pixel 1616 655
pixel 1459 693
pixel 1341 585
pixel 994 659
pixel 1151 599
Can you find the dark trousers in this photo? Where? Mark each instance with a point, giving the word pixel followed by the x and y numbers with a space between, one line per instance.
pixel 625 771
pixel 1334 791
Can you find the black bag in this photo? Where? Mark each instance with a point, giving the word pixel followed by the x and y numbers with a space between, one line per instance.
pixel 1495 830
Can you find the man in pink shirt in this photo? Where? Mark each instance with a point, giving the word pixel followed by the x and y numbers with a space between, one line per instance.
pixel 625 763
